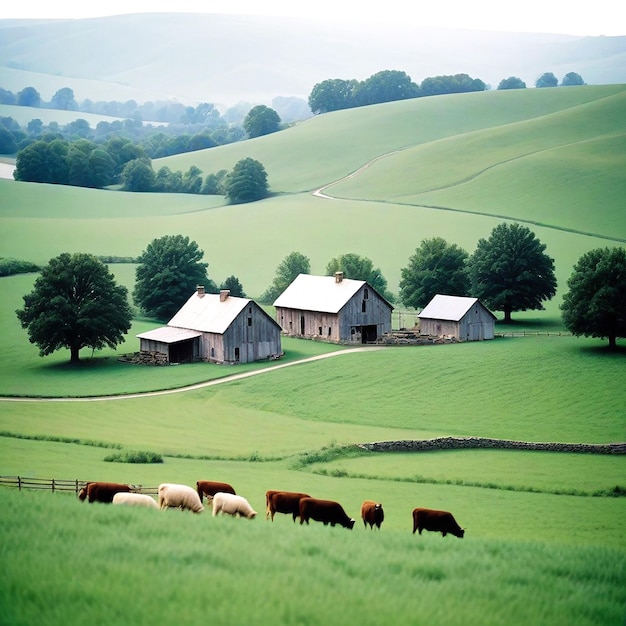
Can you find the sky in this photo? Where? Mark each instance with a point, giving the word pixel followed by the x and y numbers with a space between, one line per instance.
pixel 600 17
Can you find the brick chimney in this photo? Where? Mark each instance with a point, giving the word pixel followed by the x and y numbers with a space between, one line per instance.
pixel 224 293
pixel 338 277
pixel 200 291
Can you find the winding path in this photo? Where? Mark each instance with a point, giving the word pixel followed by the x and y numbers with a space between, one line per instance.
pixel 208 383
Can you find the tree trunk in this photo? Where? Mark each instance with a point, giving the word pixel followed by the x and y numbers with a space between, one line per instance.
pixel 507 315
pixel 612 342
pixel 74 354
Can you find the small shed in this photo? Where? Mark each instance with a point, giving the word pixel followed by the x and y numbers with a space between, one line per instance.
pixel 218 328
pixel 333 308
pixel 465 319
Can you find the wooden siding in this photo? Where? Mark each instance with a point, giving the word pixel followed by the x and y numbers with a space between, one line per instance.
pixel 252 336
pixel 365 316
pixel 477 324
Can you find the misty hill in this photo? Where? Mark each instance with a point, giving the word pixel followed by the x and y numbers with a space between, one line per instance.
pixel 225 59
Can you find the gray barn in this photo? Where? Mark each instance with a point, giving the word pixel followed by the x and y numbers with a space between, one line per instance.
pixel 218 328
pixel 465 319
pixel 333 308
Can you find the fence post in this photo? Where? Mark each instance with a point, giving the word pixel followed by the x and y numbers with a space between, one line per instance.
pixel 53 485
pixel 19 483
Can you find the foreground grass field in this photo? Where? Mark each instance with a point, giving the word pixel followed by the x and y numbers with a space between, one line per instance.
pixel 91 559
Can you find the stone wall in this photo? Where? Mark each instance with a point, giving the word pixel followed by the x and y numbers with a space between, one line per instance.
pixel 458 443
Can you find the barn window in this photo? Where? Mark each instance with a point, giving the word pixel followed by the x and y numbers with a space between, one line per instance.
pixel 320 331
pixel 212 353
pixel 329 331
pixel 364 306
pixel 249 321
pixel 366 294
pixel 236 354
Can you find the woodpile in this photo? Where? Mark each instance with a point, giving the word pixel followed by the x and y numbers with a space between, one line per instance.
pixel 410 338
pixel 145 357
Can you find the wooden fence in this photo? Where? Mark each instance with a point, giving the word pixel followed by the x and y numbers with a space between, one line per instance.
pixel 58 484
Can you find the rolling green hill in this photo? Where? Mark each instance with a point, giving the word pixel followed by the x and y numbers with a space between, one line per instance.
pixel 552 158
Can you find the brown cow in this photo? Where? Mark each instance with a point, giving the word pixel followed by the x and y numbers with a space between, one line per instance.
pixel 438 521
pixel 102 492
pixel 283 502
pixel 325 511
pixel 372 513
pixel 209 488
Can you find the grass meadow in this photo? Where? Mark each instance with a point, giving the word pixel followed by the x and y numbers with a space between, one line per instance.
pixel 545 532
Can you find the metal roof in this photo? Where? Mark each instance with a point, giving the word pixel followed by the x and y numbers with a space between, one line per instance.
pixel 451 308
pixel 167 334
pixel 318 293
pixel 208 314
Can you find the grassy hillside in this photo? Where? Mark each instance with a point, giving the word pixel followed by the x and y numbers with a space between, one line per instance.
pixel 550 157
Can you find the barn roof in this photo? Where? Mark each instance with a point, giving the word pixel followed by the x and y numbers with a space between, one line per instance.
pixel 319 293
pixel 451 308
pixel 167 334
pixel 209 312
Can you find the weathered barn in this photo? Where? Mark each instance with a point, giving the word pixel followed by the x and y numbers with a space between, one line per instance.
pixel 218 328
pixel 333 308
pixel 465 319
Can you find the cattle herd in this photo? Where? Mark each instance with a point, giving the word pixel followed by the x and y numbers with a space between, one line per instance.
pixel 223 499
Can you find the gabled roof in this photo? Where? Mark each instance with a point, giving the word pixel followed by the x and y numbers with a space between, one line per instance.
pixel 451 308
pixel 319 293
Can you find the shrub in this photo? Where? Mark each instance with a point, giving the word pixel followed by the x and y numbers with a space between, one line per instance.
pixel 9 267
pixel 134 457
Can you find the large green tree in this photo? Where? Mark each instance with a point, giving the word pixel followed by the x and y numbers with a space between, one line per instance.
pixel 512 82
pixel 169 271
pixel 595 305
pixel 261 120
pixel 386 86
pixel 293 264
pixel 246 182
pixel 333 94
pixel 547 79
pixel 510 271
pixel 138 175
pixel 436 267
pixel 75 304
pixel 360 268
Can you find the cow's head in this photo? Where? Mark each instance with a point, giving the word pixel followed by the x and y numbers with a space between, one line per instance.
pixel 350 524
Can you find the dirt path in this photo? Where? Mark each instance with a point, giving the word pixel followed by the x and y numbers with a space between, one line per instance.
pixel 208 383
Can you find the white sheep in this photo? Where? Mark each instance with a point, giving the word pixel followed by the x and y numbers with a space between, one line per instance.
pixel 231 504
pixel 135 499
pixel 179 496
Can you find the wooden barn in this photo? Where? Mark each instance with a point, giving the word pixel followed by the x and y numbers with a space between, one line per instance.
pixel 465 319
pixel 333 308
pixel 218 328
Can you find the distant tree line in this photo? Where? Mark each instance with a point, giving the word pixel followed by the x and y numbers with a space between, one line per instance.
pixel 547 79
pixel 391 85
pixel 385 86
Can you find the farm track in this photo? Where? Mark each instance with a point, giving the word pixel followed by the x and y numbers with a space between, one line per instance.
pixel 194 387
pixel 321 193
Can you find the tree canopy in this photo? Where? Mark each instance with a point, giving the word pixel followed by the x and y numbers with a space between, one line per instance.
pixel 234 286
pixel 169 271
pixel 572 79
pixel 436 267
pixel 75 304
pixel 595 305
pixel 360 268
pixel 293 264
pixel 510 271
pixel 512 82
pixel 548 79
pixel 247 182
pixel 261 120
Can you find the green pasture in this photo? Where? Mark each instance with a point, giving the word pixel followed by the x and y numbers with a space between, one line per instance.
pixel 91 557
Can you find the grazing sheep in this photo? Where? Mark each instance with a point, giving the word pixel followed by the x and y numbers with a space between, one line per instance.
pixel 231 504
pixel 179 496
pixel 135 499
